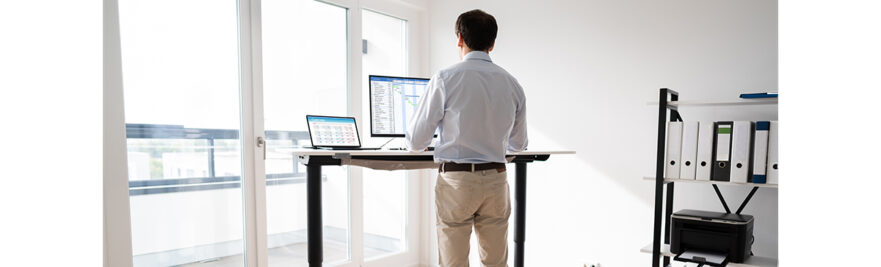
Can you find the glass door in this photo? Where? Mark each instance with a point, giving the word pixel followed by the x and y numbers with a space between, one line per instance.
pixel 180 67
pixel 305 70
pixel 385 196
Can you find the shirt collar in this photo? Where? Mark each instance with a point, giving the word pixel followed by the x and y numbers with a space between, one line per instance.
pixel 478 55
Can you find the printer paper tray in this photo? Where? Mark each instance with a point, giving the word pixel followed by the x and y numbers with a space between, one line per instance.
pixel 705 257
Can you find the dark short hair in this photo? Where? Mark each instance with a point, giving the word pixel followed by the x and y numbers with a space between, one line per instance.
pixel 478 29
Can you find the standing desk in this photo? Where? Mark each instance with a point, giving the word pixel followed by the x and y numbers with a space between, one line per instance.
pixel 399 160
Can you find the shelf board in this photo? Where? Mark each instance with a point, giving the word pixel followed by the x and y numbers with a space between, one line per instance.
pixel 668 180
pixel 753 261
pixel 717 103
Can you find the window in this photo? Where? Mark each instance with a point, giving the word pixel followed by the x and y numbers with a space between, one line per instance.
pixel 304 72
pixel 181 87
pixel 385 193
pixel 184 86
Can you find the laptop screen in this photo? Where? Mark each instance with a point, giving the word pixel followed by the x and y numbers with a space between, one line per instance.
pixel 328 131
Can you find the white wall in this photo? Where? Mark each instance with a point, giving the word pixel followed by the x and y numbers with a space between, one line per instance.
pixel 588 68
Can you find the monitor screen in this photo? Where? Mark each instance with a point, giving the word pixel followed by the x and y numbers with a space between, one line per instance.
pixel 393 101
pixel 328 131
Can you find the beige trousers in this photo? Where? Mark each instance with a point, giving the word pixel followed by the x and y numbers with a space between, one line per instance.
pixel 480 199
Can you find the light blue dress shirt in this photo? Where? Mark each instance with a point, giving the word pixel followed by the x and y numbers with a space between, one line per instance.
pixel 478 108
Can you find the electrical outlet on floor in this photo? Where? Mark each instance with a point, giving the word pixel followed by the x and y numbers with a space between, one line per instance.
pixel 592 264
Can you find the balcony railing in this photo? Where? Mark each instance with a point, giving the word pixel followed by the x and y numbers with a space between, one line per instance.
pixel 212 181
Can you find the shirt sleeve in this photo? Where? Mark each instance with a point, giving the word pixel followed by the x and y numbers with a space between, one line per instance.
pixel 517 141
pixel 429 112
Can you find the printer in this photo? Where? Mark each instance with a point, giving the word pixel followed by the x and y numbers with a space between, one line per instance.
pixel 728 236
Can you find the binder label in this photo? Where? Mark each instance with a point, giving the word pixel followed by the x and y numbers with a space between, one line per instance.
pixel 760 152
pixel 724 143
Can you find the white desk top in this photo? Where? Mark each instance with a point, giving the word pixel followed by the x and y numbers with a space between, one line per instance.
pixel 383 152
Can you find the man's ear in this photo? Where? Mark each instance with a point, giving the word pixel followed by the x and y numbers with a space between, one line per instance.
pixel 491 47
pixel 461 41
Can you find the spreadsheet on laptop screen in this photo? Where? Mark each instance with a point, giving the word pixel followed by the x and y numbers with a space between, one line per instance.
pixel 333 131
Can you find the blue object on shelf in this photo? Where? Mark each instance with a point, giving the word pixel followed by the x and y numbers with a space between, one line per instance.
pixel 758 95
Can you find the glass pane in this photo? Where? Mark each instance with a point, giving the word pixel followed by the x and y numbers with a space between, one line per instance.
pixel 181 79
pixel 304 72
pixel 385 193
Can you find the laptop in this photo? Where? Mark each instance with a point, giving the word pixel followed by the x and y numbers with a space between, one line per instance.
pixel 336 133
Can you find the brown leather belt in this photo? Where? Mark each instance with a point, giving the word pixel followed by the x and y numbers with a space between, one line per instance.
pixel 468 167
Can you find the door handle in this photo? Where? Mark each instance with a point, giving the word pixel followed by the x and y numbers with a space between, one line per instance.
pixel 261 143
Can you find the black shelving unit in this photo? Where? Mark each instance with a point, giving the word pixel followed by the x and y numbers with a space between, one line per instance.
pixel 668 111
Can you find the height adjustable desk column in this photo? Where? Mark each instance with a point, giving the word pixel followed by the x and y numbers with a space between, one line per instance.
pixel 315 159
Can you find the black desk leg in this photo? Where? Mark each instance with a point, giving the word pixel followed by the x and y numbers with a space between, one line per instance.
pixel 314 225
pixel 520 213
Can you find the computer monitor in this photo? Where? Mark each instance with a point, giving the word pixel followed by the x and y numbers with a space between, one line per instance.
pixel 393 101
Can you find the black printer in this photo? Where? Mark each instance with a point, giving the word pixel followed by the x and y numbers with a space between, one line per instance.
pixel 718 233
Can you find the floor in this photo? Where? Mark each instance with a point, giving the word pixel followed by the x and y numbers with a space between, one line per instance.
pixel 288 256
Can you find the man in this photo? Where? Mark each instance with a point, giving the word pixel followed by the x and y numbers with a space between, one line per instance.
pixel 480 112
